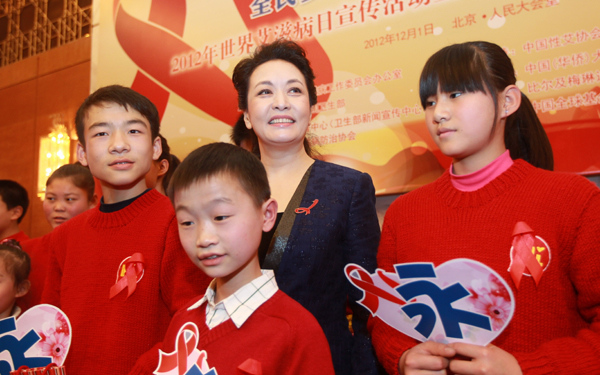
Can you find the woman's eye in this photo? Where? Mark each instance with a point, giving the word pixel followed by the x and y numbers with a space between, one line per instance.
pixel 455 94
pixel 429 103
pixel 296 90
pixel 186 223
pixel 264 92
pixel 221 218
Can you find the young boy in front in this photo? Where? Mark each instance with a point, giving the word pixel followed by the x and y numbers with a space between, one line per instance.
pixel 243 322
pixel 118 270
pixel 13 206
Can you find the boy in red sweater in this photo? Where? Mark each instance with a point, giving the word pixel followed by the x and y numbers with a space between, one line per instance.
pixel 118 270
pixel 243 324
pixel 13 206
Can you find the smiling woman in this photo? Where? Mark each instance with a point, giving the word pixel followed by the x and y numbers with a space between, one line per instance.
pixel 327 216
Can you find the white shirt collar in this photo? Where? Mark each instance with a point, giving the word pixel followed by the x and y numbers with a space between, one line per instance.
pixel 240 305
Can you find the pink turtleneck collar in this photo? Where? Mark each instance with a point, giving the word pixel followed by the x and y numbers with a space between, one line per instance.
pixel 477 180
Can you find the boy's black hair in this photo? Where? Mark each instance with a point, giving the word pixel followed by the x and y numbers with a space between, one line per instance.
pixel 79 175
pixel 16 261
pixel 222 158
pixel 13 194
pixel 485 67
pixel 126 98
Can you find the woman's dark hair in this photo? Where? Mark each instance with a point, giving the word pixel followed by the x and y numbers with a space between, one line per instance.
pixel 281 49
pixel 485 67
pixel 79 175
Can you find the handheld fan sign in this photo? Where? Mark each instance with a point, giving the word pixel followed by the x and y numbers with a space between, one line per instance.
pixel 40 336
pixel 461 300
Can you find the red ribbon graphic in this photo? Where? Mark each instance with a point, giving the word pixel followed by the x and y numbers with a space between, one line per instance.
pixel 178 359
pixel 152 45
pixel 372 292
pixel 134 266
pixel 306 210
pixel 523 255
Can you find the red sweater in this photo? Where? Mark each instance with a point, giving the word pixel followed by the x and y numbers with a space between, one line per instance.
pixel 85 255
pixel 281 334
pixel 556 325
pixel 39 255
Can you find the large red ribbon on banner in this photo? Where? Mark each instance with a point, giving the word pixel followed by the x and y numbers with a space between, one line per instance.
pixel 523 254
pixel 152 45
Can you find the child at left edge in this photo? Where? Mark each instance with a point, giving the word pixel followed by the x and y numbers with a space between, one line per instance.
pixel 14 270
pixel 13 206
pixel 244 323
pixel 118 270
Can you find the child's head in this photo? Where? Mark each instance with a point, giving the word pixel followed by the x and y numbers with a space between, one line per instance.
pixel 14 271
pixel 69 192
pixel 118 140
pixel 124 97
pixel 222 201
pixel 13 204
pixel 483 67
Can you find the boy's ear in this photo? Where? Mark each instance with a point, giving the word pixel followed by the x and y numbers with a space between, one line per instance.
pixel 17 211
pixel 81 155
pixel 511 102
pixel 163 167
pixel 156 148
pixel 247 120
pixel 270 213
pixel 23 288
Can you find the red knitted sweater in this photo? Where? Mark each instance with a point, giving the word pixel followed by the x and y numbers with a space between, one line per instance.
pixel 38 253
pixel 108 335
pixel 281 334
pixel 556 325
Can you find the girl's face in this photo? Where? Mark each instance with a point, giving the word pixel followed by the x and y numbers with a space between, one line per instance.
pixel 8 291
pixel 64 200
pixel 461 125
pixel 278 104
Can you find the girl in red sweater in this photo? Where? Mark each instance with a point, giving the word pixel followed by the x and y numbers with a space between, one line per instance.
pixel 478 116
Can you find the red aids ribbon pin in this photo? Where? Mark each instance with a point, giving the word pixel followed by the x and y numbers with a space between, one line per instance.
pixel 523 258
pixel 134 267
pixel 306 210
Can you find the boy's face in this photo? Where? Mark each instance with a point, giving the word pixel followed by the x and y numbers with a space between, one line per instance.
pixel 220 229
pixel 8 217
pixel 119 150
